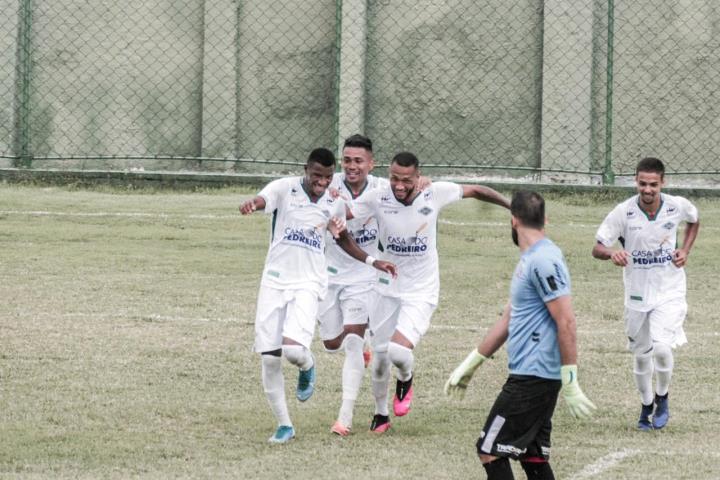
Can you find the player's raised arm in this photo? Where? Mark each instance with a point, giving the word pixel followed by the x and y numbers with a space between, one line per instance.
pixel 248 207
pixel 485 194
pixel 491 343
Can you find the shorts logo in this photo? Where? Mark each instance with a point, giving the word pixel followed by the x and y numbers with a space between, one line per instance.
pixel 535 337
pixel 509 449
pixel 636 298
pixel 426 211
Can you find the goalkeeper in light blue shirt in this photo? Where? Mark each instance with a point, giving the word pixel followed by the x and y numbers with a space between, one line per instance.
pixel 539 326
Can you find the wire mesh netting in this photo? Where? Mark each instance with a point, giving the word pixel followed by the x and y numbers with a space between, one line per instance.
pixel 523 88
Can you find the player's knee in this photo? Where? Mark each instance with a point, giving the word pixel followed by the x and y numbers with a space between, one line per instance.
pixel 498 469
pixel 662 354
pixel 296 354
pixel 380 365
pixel 537 469
pixel 400 356
pixel 643 362
pixel 333 345
pixel 353 343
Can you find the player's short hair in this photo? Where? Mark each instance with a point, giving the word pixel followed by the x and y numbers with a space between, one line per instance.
pixel 406 159
pixel 652 165
pixel 528 207
pixel 323 156
pixel 358 141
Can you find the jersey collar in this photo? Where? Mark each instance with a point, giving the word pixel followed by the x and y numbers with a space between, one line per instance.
pixel 651 218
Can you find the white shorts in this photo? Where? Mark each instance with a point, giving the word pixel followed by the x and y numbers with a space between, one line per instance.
pixel 344 305
pixel 663 324
pixel 411 318
pixel 284 313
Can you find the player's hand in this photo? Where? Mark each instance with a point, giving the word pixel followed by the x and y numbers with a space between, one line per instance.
pixel 580 406
pixel 424 182
pixel 387 267
pixel 460 378
pixel 334 192
pixel 336 226
pixel 248 207
pixel 620 258
pixel 679 257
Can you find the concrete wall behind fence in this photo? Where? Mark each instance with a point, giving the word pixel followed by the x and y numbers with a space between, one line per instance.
pixel 508 84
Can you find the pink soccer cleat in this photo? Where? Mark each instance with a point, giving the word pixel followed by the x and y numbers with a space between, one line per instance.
pixel 340 429
pixel 403 398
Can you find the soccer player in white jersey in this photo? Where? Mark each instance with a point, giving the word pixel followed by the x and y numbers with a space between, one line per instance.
pixel 646 227
pixel 538 325
pixel 343 313
pixel 407 227
pixel 294 279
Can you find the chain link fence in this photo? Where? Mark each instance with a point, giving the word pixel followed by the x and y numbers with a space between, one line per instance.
pixel 561 90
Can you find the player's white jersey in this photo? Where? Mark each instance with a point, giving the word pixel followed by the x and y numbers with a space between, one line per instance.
pixel 342 268
pixel 650 277
pixel 296 257
pixel 408 234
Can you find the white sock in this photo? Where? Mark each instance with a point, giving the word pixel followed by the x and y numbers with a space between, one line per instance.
pixel 380 381
pixel 664 363
pixel 643 370
pixel 352 375
pixel 403 359
pixel 298 356
pixel 274 386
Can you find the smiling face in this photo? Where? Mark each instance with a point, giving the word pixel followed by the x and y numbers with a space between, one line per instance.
pixel 357 162
pixel 648 186
pixel 403 181
pixel 317 179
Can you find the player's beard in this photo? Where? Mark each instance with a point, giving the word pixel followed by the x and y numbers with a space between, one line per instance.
pixel 514 235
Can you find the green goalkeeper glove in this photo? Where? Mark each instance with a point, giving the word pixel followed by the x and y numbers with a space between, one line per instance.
pixel 580 406
pixel 458 381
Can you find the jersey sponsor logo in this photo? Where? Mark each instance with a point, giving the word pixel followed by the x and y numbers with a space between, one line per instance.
pixel 407 246
pixel 552 283
pixel 385 198
pixel 659 256
pixel 636 227
pixel 309 238
pixel 630 213
pixel 425 211
pixel 427 194
pixel 636 298
pixel 390 212
pixel 671 210
pixel 364 236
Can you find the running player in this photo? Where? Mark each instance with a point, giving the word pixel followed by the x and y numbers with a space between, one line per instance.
pixel 294 279
pixel 343 313
pixel 538 324
pixel 407 227
pixel 646 227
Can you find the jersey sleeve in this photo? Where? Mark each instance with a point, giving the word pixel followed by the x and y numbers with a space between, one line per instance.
pixel 550 278
pixel 272 194
pixel 612 227
pixel 446 193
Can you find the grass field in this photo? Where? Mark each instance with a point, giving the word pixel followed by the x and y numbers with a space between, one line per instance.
pixel 126 325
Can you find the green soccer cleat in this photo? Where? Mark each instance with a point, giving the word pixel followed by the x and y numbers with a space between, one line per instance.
pixel 306 384
pixel 283 434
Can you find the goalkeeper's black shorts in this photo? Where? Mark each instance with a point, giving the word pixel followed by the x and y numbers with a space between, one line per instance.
pixel 519 423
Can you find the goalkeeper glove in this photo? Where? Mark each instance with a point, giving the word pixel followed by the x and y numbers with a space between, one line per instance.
pixel 580 406
pixel 459 379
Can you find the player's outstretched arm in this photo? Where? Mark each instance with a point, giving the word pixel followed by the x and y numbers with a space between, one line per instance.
pixel 248 207
pixel 460 378
pixel 338 229
pixel 562 312
pixel 486 194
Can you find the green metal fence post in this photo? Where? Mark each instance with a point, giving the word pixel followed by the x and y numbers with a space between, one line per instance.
pixel 608 174
pixel 24 62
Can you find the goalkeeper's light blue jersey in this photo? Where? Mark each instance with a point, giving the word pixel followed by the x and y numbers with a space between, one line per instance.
pixel 540 276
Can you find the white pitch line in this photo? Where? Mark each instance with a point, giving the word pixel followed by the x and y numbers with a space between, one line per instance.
pixel 604 463
pixel 43 213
